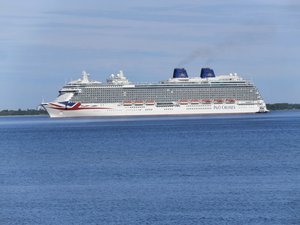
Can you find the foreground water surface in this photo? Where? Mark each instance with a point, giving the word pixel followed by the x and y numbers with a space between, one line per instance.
pixel 242 169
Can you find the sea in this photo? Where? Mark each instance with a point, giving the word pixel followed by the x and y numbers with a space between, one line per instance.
pixel 230 169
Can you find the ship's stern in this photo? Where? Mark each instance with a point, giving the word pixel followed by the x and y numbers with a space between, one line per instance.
pixel 262 107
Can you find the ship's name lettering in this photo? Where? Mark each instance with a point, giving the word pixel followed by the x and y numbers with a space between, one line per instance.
pixel 219 107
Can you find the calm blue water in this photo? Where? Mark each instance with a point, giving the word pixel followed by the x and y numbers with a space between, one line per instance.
pixel 167 170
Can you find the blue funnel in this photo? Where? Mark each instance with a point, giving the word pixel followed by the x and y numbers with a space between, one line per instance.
pixel 180 73
pixel 207 72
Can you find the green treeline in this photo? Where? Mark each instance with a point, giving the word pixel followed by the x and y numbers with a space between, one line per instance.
pixel 21 112
pixel 282 106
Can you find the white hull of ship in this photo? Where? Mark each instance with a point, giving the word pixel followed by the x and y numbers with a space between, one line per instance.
pixel 107 110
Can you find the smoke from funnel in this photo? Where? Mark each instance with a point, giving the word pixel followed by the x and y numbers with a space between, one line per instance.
pixel 203 53
pixel 250 33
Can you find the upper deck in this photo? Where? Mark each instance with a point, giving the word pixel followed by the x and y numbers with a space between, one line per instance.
pixel 120 81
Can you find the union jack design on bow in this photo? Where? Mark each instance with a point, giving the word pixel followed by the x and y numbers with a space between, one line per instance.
pixel 65 105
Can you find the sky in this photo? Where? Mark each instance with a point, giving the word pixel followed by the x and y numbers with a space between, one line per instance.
pixel 46 43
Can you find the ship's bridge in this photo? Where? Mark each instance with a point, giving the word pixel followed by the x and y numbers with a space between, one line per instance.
pixel 84 80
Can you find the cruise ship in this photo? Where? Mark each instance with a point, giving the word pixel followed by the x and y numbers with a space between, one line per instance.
pixel 179 95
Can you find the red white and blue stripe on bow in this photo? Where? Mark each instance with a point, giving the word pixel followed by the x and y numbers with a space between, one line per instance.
pixel 73 106
pixel 65 105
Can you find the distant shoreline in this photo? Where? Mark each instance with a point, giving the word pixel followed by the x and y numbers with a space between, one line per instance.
pixel 33 112
pixel 22 112
pixel 282 106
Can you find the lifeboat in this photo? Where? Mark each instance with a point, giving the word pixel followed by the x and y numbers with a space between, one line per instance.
pixel 127 103
pixel 194 101
pixel 218 101
pixel 183 102
pixel 139 103
pixel 150 102
pixel 206 101
pixel 230 101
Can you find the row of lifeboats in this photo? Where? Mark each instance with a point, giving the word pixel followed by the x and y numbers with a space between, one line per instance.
pixel 206 101
pixel 126 103
pixel 183 102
